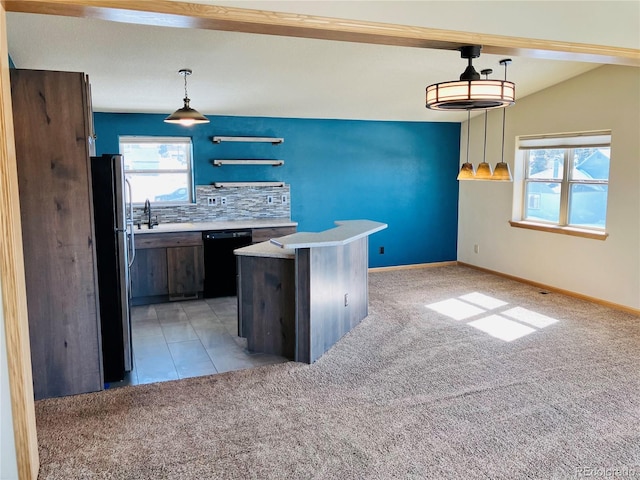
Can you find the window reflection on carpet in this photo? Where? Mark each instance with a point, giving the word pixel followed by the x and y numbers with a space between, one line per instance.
pixel 491 318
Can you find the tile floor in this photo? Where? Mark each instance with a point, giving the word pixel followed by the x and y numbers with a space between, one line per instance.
pixel 188 339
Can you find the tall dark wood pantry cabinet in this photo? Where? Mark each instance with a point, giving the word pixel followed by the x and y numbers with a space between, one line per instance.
pixel 54 140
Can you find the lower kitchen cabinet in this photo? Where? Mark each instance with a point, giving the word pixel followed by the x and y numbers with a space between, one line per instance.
pixel 149 276
pixel 170 265
pixel 185 271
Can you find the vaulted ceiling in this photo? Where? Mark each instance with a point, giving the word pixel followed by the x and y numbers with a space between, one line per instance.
pixel 133 67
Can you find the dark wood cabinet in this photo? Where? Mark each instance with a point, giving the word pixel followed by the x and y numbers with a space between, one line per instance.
pixel 185 269
pixel 167 265
pixel 149 273
pixel 170 265
pixel 53 137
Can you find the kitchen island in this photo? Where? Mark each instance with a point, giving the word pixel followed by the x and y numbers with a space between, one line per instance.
pixel 299 294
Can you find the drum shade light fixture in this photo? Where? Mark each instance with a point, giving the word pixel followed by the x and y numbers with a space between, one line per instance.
pixel 470 92
pixel 186 115
pixel 501 172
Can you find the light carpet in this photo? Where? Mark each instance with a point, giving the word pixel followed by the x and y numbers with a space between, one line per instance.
pixel 455 374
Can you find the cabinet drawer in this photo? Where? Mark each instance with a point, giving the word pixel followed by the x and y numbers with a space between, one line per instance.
pixel 169 239
pixel 265 234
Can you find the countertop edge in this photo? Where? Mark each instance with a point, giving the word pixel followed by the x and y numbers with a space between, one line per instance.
pixel 347 231
pixel 215 225
pixel 265 249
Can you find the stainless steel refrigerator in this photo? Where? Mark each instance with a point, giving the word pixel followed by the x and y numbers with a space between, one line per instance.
pixel 115 252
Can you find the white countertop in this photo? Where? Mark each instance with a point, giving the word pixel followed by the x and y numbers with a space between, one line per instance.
pixel 346 231
pixel 265 249
pixel 215 225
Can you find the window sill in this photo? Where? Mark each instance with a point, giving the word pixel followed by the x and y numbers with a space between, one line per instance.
pixel 573 231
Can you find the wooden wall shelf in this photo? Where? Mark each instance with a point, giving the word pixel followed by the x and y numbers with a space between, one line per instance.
pixel 272 140
pixel 248 184
pixel 248 161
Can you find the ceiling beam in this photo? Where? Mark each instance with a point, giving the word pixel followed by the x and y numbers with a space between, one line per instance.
pixel 211 17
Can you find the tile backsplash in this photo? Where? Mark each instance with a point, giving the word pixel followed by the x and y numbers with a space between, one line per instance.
pixel 231 203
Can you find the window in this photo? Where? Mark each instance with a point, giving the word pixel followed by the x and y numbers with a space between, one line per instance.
pixel 566 180
pixel 159 168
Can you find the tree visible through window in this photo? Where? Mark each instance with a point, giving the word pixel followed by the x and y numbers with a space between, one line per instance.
pixel 566 179
pixel 159 168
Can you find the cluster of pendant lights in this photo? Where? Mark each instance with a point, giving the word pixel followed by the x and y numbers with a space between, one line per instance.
pixel 473 93
pixel 186 115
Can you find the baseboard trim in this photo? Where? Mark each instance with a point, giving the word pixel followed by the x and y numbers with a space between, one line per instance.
pixel 604 303
pixel 413 266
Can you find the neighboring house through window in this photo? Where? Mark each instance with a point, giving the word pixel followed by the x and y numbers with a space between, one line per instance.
pixel 159 168
pixel 566 180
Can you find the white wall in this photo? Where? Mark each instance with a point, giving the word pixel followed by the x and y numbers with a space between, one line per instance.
pixel 605 98
pixel 8 466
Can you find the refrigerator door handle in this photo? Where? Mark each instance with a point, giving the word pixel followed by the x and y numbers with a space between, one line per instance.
pixel 130 235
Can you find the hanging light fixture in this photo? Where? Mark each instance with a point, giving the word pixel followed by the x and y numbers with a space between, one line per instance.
pixel 502 173
pixel 470 92
pixel 484 171
pixel 186 115
pixel 467 171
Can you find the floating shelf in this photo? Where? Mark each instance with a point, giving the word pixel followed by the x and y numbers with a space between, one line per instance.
pixel 248 161
pixel 273 140
pixel 248 184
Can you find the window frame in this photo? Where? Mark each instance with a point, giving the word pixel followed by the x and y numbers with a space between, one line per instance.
pixel 568 143
pixel 139 139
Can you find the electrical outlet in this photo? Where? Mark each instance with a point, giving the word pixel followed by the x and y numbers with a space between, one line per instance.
pixel 381 250
pixel 284 199
pixel 211 201
pixel 269 199
pixel 223 201
pixel 476 248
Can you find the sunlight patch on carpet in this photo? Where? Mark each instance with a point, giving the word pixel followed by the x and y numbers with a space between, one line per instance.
pixel 532 318
pixel 456 309
pixel 483 300
pixel 501 327
pixel 521 321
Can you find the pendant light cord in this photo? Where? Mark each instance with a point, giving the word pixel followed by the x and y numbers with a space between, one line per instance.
pixel 468 132
pixel 484 154
pixel 504 62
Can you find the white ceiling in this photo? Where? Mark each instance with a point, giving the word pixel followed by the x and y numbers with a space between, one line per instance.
pixel 133 68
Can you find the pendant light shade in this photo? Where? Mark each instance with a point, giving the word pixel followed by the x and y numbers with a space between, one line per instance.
pixel 186 115
pixel 467 171
pixel 484 171
pixel 470 92
pixel 502 172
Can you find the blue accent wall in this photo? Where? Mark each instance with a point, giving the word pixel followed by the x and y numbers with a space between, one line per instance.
pixel 11 64
pixel 399 173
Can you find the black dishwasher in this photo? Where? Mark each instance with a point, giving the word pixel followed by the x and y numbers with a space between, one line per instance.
pixel 219 261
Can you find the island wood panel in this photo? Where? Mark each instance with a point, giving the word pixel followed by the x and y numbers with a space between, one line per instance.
pixel 52 150
pixel 149 273
pixel 185 270
pixel 266 298
pixel 324 276
pixel 303 305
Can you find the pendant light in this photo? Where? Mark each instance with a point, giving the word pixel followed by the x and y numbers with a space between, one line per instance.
pixel 467 171
pixel 186 115
pixel 502 173
pixel 484 171
pixel 470 92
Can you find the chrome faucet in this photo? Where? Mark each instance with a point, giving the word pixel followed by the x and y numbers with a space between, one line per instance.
pixel 147 211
